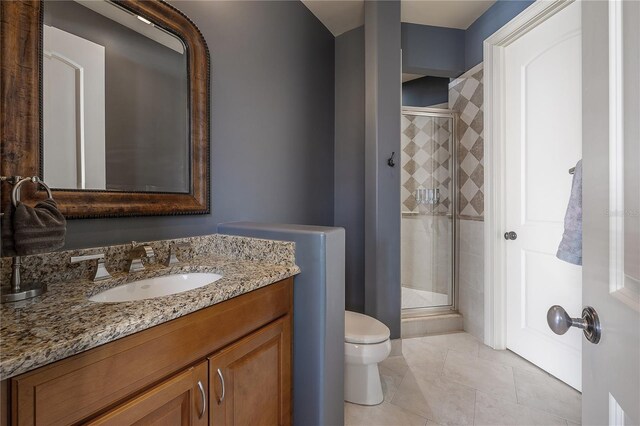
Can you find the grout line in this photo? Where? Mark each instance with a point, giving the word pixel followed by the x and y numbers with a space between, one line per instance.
pixel 532 407
pixel 444 363
pixel 475 403
pixel 515 386
pixel 398 388
pixel 427 418
pixel 408 410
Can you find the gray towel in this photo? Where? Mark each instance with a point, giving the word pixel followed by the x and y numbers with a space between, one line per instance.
pixel 570 248
pixel 32 230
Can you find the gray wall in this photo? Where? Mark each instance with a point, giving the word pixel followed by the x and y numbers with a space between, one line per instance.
pixel 349 159
pixel 145 101
pixel 488 23
pixel 382 183
pixel 448 52
pixel 272 124
pixel 434 51
pixel 425 91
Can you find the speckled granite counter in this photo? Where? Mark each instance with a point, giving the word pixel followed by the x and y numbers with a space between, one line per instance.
pixel 63 322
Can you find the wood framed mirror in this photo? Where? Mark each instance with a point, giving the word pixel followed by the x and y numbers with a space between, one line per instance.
pixel 164 171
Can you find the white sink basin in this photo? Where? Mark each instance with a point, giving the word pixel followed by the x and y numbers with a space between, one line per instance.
pixel 156 287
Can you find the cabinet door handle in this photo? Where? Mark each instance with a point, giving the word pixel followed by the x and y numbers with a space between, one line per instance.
pixel 222 383
pixel 203 396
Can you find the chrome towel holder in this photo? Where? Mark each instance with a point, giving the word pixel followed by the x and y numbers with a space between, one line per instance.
pixel 18 290
pixel 15 192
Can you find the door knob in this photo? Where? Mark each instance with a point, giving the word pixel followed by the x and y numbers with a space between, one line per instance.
pixel 560 322
pixel 510 235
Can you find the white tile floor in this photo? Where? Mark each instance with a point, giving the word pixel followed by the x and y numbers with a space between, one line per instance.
pixel 453 379
pixel 413 298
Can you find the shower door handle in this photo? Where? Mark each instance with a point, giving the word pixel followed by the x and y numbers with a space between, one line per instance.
pixel 510 235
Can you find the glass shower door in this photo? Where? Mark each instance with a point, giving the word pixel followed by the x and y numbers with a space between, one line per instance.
pixel 427 203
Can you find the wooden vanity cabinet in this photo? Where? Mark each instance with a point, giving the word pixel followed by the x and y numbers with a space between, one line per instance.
pixel 180 400
pixel 158 376
pixel 249 381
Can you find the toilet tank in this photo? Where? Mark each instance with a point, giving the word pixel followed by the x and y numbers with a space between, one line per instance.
pixel 318 316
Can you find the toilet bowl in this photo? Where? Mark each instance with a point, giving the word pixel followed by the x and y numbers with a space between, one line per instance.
pixel 366 343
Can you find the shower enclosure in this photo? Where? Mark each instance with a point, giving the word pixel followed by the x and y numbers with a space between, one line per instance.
pixel 429 205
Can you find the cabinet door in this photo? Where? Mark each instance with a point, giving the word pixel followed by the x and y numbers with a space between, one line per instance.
pixel 250 380
pixel 180 400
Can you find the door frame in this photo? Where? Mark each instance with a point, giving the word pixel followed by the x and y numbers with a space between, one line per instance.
pixel 495 285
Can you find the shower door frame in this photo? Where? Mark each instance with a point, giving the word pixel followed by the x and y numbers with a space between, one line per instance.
pixel 453 196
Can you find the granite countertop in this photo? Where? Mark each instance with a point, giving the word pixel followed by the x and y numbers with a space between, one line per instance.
pixel 63 322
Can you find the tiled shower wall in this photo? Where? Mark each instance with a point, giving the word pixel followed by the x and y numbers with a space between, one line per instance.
pixel 466 97
pixel 425 159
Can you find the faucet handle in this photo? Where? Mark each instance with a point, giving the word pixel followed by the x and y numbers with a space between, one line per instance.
pixel 173 258
pixel 101 272
pixel 137 253
pixel 139 250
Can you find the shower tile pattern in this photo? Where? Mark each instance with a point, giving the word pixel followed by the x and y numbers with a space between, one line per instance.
pixel 425 160
pixel 466 97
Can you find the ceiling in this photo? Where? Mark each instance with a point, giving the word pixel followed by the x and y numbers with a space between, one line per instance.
pixel 444 13
pixel 408 77
pixel 340 16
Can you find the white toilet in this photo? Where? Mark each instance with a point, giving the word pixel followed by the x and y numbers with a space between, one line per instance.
pixel 366 343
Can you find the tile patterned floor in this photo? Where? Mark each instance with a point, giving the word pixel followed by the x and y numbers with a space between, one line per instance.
pixel 453 379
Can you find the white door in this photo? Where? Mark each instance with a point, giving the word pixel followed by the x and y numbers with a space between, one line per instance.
pixel 74 111
pixel 611 211
pixel 543 133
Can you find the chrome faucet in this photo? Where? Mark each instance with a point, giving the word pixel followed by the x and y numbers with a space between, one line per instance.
pixel 137 253
pixel 101 272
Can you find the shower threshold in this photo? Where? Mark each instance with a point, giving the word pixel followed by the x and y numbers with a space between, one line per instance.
pixel 424 324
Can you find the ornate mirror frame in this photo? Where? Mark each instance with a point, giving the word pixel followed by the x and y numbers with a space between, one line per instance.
pixel 21 130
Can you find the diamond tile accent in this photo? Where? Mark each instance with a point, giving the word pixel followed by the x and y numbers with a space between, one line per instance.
pixel 478 122
pixel 410 167
pixel 425 160
pixel 410 131
pixel 477 150
pixel 477 202
pixel 466 97
pixel 410 149
pixel 411 185
pixel 477 176
pixel 462 153
pixel 469 164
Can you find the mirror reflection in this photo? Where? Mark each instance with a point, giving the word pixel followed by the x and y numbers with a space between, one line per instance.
pixel 115 101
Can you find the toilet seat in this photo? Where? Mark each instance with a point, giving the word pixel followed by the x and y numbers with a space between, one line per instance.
pixel 364 330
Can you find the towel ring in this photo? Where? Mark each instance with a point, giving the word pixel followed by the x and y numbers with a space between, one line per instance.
pixel 34 179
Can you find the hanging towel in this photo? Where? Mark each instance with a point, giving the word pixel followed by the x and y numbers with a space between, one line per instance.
pixel 32 230
pixel 570 249
pixel 6 230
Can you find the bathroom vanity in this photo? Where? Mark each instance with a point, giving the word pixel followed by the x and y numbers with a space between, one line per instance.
pixel 227 364
pixel 218 354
